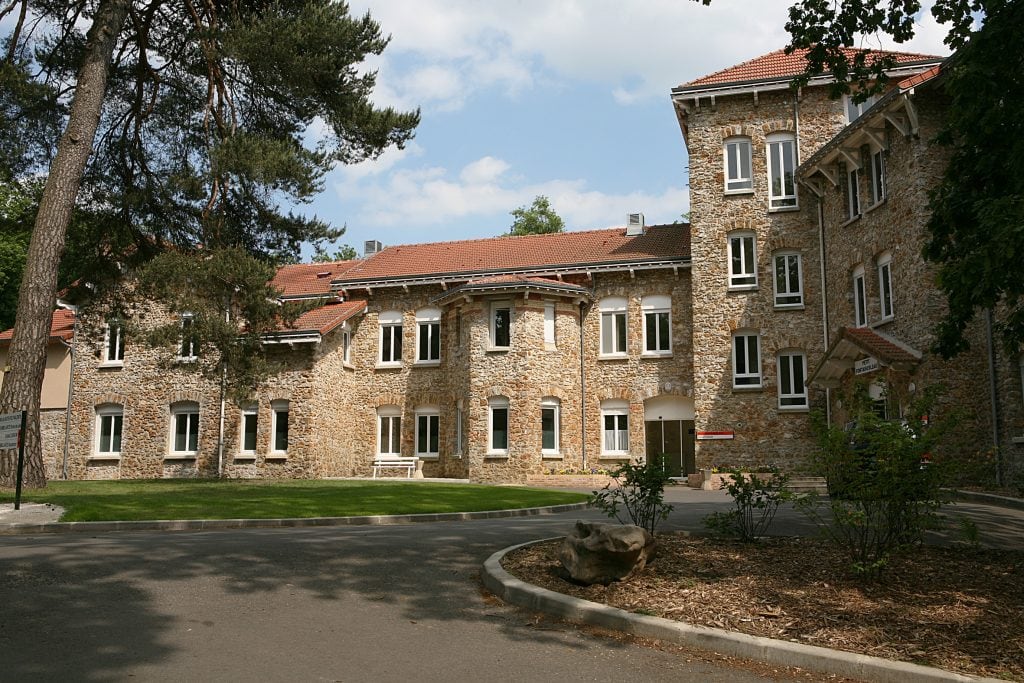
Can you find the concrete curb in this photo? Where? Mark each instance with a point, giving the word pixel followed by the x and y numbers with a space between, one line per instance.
pixel 219 524
pixel 864 667
pixel 989 499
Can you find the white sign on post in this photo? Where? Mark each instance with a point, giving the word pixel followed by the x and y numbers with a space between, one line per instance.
pixel 10 425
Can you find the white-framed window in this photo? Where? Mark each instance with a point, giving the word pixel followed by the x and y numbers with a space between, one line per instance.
pixel 877 171
pixel 657 312
pixel 501 324
pixel 458 429
pixel 497 425
pixel 792 373
pixel 885 285
pixel 738 176
pixel 428 423
pixel 109 426
pixel 614 427
pixel 390 338
pixel 854 110
pixel 746 360
pixel 613 325
pixel 389 430
pixel 852 193
pixel 860 298
pixel 184 429
pixel 428 335
pixel 279 426
pixel 781 171
pixel 188 346
pixel 789 289
pixel 113 343
pixel 248 429
pixel 346 346
pixel 742 260
pixel 550 409
pixel 549 322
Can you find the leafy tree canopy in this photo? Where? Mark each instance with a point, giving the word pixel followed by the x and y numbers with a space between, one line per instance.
pixel 345 252
pixel 537 219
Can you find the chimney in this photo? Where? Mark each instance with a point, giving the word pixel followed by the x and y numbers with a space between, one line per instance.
pixel 635 225
pixel 371 247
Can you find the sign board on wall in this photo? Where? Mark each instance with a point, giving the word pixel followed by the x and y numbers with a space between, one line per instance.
pixel 10 425
pixel 711 436
pixel 865 365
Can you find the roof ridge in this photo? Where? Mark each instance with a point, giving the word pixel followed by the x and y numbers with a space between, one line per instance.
pixel 565 233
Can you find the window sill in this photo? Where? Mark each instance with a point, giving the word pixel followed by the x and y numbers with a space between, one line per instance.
pixel 742 288
pixel 789 307
pixel 388 366
pixel 181 456
pixel 496 455
pixel 347 366
pixel 498 349
pixel 880 202
pixel 850 220
pixel 614 456
pixel 794 409
pixel 613 356
pixel 654 355
pixel 105 457
pixel 429 457
pixel 186 360
pixel 427 363
pixel 245 456
pixel 1018 440
pixel 784 209
pixel 277 455
pixel 738 193
pixel 748 389
pixel 551 455
pixel 109 364
pixel 882 323
pixel 550 346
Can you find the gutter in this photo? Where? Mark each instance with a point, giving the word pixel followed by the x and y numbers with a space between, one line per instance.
pixel 583 395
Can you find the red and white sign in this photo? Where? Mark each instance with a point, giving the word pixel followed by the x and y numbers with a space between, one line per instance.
pixel 709 436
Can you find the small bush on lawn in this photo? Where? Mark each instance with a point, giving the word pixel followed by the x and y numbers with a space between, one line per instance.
pixel 755 499
pixel 884 487
pixel 638 498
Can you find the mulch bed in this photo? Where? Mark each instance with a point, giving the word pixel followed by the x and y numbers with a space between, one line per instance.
pixel 960 609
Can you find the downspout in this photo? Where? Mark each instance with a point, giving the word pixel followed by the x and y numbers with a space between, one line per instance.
pixel 71 394
pixel 994 395
pixel 223 402
pixel 583 395
pixel 824 299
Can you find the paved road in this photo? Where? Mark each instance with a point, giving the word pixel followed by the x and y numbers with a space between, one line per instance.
pixel 336 604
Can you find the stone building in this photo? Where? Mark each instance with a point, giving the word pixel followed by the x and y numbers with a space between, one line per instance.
pixel 703 344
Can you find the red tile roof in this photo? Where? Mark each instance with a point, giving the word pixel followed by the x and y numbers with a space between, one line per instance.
pixel 778 65
pixel 526 253
pixel 309 279
pixel 918 79
pixel 878 345
pixel 62 326
pixel 519 279
pixel 325 318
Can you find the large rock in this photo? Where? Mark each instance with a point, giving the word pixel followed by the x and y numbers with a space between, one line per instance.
pixel 602 553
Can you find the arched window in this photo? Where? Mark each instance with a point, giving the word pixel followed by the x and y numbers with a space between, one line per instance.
pixel 885 285
pixel 738 176
pixel 788 280
pixel 614 427
pixel 613 325
pixel 746 360
pixel 860 298
pixel 742 260
pixel 184 429
pixel 249 427
pixel 428 335
pixel 781 171
pixel 792 367
pixel 657 312
pixel 428 423
pixel 390 338
pixel 550 417
pixel 389 430
pixel 279 426
pixel 497 425
pixel 109 426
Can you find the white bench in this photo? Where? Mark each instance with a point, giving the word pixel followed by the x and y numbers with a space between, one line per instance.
pixel 394 462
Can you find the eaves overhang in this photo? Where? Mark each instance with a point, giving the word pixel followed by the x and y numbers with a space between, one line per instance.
pixel 855 343
pixel 526 287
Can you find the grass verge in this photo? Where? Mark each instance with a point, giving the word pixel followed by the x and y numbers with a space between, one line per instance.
pixel 93 501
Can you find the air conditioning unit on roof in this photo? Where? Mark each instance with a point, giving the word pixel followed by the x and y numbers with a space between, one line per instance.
pixel 371 247
pixel 635 224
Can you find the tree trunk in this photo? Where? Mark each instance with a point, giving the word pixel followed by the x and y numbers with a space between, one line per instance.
pixel 37 297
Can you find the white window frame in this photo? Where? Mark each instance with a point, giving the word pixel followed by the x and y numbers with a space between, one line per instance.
pixel 190 411
pixel 113 344
pixel 618 436
pixel 853 110
pixel 250 410
pixel 459 445
pixel 885 300
pixel 429 414
pixel 743 375
pixel 852 193
pixel 742 254
pixel 346 345
pixel 876 171
pixel 392 415
pixel 428 329
pixel 114 412
pixel 187 346
pixel 495 404
pixel 614 327
pixel 657 307
pixel 860 298
pixel 736 150
pixel 777 155
pixel 278 408
pixel 390 326
pixel 493 326
pixel 787 297
pixel 796 397
pixel 550 403
pixel 549 323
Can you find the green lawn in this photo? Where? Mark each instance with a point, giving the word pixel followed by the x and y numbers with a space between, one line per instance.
pixel 90 501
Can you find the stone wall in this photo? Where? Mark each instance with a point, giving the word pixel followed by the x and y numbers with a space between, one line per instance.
pixel 763 433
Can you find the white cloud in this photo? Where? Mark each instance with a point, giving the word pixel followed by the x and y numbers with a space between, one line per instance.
pixel 385 162
pixel 483 171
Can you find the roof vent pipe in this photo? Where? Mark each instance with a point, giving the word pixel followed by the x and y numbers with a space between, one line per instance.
pixel 634 225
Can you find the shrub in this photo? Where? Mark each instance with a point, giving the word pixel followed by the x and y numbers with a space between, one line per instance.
pixel 755 499
pixel 639 496
pixel 884 487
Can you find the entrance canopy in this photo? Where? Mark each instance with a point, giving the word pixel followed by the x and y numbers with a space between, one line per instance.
pixel 857 348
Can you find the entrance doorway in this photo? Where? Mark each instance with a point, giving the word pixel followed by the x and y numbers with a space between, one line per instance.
pixel 669 433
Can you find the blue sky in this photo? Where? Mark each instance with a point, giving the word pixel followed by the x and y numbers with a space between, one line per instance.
pixel 567 98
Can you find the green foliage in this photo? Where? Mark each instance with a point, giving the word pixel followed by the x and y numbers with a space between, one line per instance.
pixel 885 487
pixel 345 252
pixel 537 219
pixel 755 501
pixel 638 495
